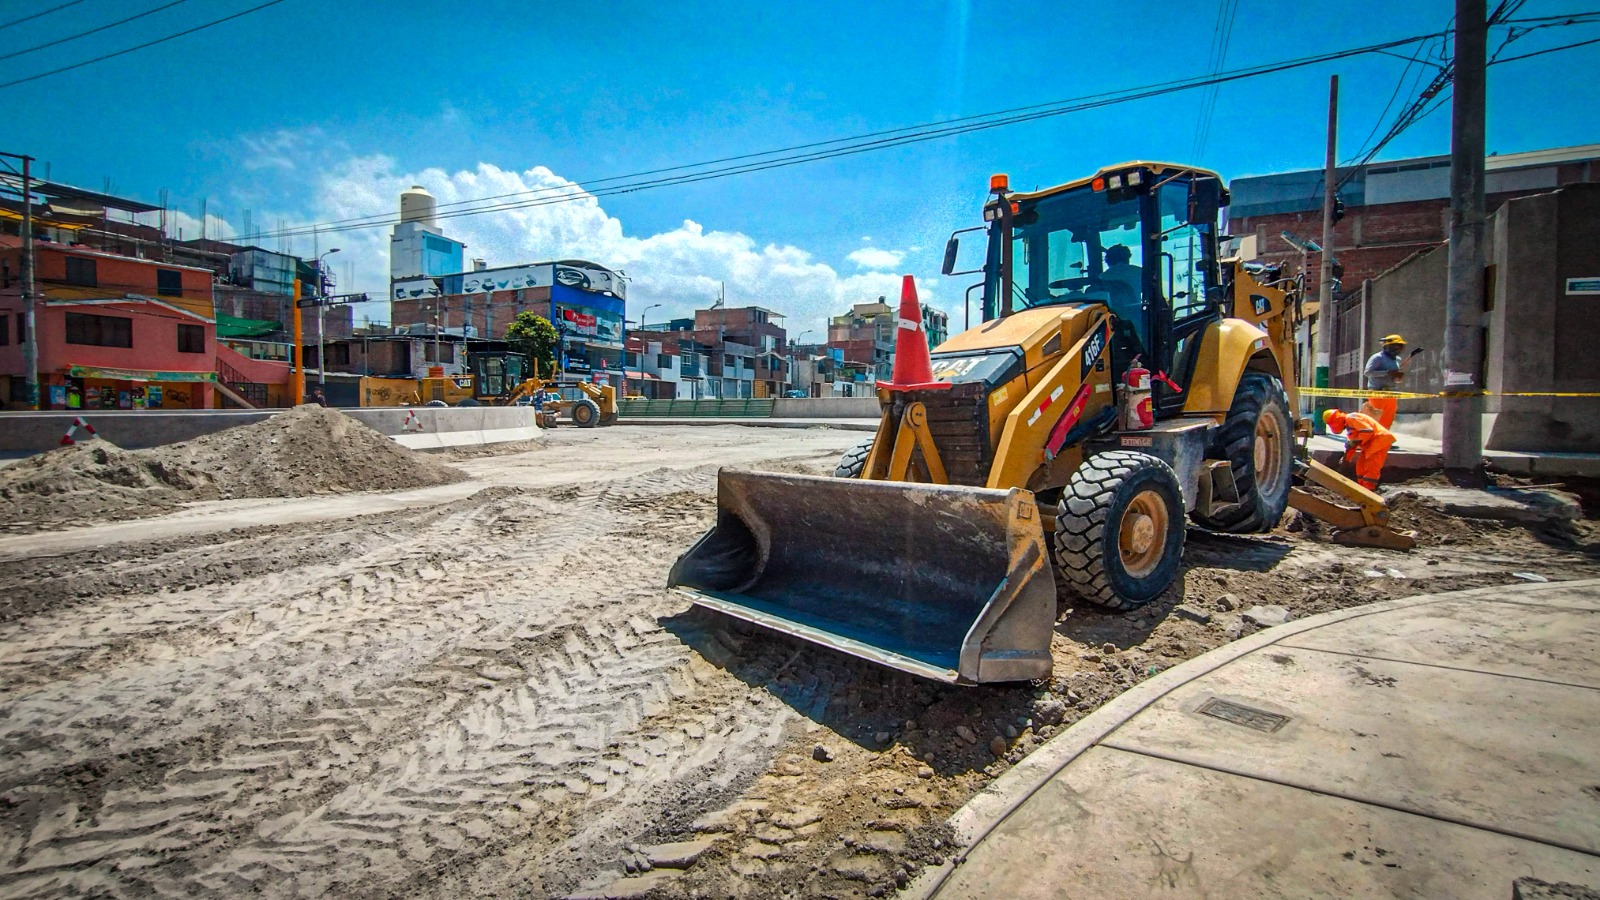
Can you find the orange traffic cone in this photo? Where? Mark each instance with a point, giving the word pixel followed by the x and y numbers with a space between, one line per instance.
pixel 913 367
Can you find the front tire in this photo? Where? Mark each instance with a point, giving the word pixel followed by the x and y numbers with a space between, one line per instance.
pixel 585 413
pixel 1120 529
pixel 854 460
pixel 1257 438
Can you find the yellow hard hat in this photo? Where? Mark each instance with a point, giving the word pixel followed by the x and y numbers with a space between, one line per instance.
pixel 1333 418
pixel 1393 339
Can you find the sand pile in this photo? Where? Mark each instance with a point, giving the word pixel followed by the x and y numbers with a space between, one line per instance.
pixel 94 481
pixel 307 450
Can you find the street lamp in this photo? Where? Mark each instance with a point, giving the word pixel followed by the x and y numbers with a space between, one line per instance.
pixel 794 344
pixel 641 353
pixel 322 318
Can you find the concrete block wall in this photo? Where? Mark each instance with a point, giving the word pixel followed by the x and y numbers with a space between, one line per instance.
pixel 826 408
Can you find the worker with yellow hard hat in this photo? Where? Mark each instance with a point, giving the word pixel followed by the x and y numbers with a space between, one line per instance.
pixel 1384 372
pixel 1367 444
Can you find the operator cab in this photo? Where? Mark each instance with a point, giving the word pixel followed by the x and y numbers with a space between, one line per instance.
pixel 1140 238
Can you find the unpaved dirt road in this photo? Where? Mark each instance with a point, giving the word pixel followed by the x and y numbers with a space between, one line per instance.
pixel 483 690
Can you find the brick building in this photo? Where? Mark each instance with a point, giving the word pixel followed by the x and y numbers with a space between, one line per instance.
pixel 1392 209
pixel 585 301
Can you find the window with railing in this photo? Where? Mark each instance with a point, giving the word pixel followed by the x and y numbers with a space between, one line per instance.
pixel 169 282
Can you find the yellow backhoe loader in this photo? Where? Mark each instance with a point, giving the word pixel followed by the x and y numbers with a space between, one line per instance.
pixel 936 547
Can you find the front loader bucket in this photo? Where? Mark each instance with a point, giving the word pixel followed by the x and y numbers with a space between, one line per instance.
pixel 947 582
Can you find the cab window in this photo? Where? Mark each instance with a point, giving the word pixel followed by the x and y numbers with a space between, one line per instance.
pixel 1185 252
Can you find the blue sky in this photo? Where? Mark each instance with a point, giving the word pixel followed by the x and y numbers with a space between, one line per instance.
pixel 307 112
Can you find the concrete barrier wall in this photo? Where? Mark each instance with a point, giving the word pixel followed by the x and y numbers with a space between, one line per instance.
pixel 826 408
pixel 34 432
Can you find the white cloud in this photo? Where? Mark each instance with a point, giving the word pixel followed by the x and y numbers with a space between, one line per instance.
pixel 875 258
pixel 680 269
pixel 277 150
pixel 181 224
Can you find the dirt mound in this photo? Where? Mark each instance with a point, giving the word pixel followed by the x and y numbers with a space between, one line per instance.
pixel 307 450
pixel 96 480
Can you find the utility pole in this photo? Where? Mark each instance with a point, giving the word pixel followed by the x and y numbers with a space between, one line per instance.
pixel 29 335
pixel 1325 311
pixel 1463 314
pixel 299 382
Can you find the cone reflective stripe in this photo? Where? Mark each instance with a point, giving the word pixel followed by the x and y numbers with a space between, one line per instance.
pixel 913 366
pixel 79 422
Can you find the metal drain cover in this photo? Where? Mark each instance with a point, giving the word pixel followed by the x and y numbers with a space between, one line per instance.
pixel 1239 714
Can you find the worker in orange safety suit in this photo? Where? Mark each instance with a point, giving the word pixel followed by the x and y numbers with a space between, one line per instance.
pixel 1367 444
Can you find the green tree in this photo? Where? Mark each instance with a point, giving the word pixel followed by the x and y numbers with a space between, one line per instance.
pixel 532 334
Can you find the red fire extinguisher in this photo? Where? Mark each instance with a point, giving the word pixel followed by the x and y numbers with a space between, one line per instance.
pixel 1137 411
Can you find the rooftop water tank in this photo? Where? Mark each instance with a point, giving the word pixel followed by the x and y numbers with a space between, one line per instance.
pixel 417 205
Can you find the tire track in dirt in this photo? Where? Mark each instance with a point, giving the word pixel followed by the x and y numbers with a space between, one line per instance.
pixel 349 726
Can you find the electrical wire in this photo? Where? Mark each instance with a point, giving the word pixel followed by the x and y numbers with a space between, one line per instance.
pixel 42 12
pixel 1543 52
pixel 1438 91
pixel 1227 15
pixel 903 136
pixel 83 34
pixel 160 40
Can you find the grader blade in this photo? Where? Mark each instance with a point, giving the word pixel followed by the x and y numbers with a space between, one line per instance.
pixel 946 582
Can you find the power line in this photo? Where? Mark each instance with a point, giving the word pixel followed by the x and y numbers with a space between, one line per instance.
pixel 1550 50
pixel 1222 36
pixel 161 40
pixel 42 12
pixel 83 34
pixel 905 136
pixel 1438 91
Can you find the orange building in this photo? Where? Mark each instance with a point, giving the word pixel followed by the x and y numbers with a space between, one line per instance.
pixel 114 332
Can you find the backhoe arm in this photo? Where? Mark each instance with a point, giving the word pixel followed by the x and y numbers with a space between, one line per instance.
pixel 1366 524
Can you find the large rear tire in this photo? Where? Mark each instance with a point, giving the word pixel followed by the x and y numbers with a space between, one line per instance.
pixel 1258 439
pixel 1120 529
pixel 854 460
pixel 585 413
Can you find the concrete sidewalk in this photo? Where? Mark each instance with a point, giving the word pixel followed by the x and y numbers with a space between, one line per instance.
pixel 1440 746
pixel 1413 453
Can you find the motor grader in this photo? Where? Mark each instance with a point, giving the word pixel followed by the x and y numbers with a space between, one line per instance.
pixel 937 547
pixel 586 404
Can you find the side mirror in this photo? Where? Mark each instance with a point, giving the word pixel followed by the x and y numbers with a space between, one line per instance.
pixel 950 248
pixel 1205 200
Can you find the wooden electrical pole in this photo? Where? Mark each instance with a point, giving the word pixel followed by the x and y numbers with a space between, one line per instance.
pixel 1325 311
pixel 1463 316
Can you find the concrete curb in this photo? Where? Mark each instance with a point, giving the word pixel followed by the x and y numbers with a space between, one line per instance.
pixel 990 807
pixel 440 440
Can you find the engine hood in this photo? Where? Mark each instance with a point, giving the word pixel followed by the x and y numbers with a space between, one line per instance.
pixel 1037 333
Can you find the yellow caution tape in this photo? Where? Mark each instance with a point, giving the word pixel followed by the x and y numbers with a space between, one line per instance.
pixel 1353 394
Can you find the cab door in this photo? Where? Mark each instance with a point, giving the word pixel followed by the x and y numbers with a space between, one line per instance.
pixel 1183 244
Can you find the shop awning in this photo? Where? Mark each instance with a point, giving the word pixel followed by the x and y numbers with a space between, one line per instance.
pixel 137 374
pixel 235 327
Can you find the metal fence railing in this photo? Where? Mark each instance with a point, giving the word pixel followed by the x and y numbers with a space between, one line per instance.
pixel 707 408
